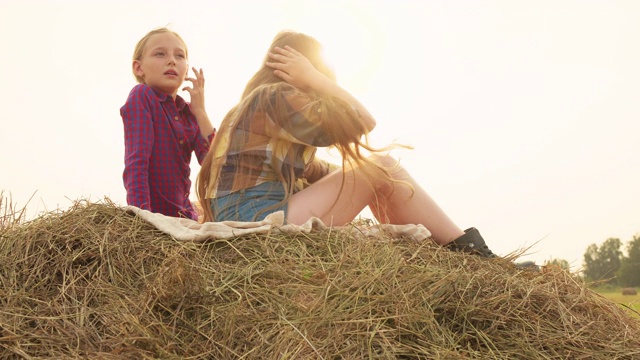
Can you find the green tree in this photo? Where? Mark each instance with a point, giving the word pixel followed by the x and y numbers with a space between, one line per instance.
pixel 629 273
pixel 562 263
pixel 603 263
pixel 592 266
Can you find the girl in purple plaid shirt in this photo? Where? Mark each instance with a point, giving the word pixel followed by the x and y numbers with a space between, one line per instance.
pixel 267 143
pixel 161 129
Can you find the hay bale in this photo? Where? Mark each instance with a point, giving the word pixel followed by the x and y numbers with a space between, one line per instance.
pixel 95 281
pixel 629 291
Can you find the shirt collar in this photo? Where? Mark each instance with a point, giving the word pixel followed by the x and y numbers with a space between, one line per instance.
pixel 180 103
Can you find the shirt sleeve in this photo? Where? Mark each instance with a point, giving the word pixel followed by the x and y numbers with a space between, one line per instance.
pixel 138 145
pixel 202 145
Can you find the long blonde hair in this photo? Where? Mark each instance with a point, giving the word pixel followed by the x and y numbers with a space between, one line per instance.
pixel 261 88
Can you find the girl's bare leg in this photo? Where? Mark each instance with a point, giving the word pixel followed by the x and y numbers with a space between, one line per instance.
pixel 390 203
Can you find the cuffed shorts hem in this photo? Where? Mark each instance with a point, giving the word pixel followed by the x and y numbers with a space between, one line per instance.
pixel 251 204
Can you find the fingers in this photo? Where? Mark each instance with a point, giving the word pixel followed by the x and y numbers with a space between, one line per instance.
pixel 283 75
pixel 289 65
pixel 287 50
pixel 282 51
pixel 291 50
pixel 279 58
pixel 192 80
pixel 282 55
pixel 199 73
pixel 198 81
pixel 278 68
pixel 275 65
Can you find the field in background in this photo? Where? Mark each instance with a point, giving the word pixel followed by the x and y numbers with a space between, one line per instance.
pixel 615 295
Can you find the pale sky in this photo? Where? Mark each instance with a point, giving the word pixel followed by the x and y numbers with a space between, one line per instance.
pixel 524 115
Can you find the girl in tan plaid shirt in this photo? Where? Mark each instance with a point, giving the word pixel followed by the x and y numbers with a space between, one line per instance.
pixel 267 142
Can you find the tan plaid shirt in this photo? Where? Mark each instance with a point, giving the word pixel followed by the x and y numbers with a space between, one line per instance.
pixel 262 146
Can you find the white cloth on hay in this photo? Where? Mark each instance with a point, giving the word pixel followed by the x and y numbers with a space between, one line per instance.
pixel 191 230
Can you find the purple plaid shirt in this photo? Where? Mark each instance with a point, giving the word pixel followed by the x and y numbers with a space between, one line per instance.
pixel 159 137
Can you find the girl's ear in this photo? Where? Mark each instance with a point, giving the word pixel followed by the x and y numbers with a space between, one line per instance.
pixel 137 68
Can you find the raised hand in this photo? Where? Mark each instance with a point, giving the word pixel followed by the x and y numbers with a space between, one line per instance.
pixel 197 102
pixel 294 68
pixel 297 70
pixel 196 90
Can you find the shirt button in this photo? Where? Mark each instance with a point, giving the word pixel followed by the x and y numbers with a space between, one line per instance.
pixel 181 142
pixel 176 118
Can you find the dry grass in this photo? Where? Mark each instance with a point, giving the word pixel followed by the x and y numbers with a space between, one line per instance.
pixel 95 281
pixel 9 215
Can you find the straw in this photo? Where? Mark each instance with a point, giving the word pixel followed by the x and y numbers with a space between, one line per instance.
pixel 96 281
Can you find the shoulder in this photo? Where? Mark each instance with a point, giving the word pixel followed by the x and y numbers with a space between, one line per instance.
pixel 142 96
pixel 142 91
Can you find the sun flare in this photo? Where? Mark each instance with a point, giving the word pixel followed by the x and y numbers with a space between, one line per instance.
pixel 354 43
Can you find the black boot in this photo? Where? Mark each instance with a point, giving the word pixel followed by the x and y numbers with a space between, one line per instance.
pixel 471 242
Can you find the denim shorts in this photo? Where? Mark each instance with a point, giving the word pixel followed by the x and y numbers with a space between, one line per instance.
pixel 251 204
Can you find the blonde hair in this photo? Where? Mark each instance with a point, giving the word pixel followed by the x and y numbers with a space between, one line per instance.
pixel 142 45
pixel 338 119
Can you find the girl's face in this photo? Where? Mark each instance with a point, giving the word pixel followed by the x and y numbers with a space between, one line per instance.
pixel 163 64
